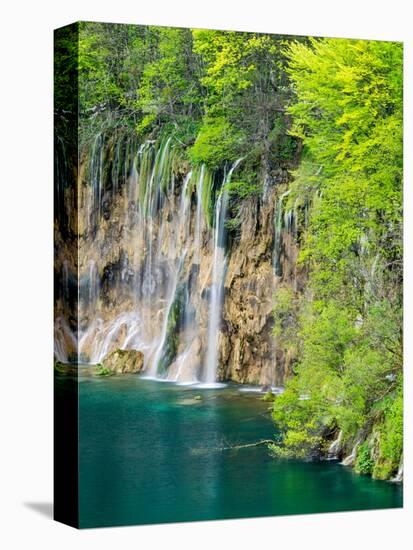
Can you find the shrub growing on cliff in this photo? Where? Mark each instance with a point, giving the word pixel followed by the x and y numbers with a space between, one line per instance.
pixel 364 462
pixel 390 438
pixel 348 112
pixel 216 143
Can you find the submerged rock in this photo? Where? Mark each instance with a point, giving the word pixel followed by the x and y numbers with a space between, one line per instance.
pixel 124 361
pixel 190 401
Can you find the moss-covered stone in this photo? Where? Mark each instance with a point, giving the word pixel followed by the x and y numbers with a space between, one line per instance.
pixel 122 362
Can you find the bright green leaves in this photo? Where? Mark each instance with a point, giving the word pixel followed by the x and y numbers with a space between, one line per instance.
pixel 106 69
pixel 242 189
pixel 143 76
pixel 343 87
pixel 390 439
pixel 347 110
pixel 244 83
pixel 364 462
pixel 169 90
pixel 229 61
pixel 216 143
pixel 303 413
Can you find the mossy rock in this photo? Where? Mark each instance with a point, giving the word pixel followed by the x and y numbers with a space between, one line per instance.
pixel 268 396
pixel 123 362
pixel 65 368
pixel 59 366
pixel 103 371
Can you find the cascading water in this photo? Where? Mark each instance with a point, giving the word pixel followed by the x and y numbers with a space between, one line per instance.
pixel 151 273
pixel 217 286
pixel 218 271
pixel 349 460
pixel 159 352
pixel 278 228
pixel 198 222
pixel 400 472
pixel 96 170
pixel 332 453
pixel 185 369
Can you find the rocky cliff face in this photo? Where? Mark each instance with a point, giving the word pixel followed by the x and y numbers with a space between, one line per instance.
pixel 154 273
pixel 249 351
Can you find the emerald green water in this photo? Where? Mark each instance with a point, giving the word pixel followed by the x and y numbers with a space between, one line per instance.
pixel 152 452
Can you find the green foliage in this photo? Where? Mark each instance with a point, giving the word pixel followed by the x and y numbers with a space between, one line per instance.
pixel 103 371
pixel 169 90
pixel 283 146
pixel 245 89
pixel 216 143
pixel 109 65
pixel 241 192
pixel 346 328
pixel 269 396
pixel 138 76
pixel 203 178
pixel 221 95
pixel 390 438
pixel 66 44
pixel 364 462
pixel 286 309
pixel 348 111
pixel 242 189
pixel 298 415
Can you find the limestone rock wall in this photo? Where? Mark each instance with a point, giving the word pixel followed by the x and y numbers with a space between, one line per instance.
pixel 118 308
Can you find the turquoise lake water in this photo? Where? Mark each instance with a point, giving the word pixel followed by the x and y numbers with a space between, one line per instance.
pixel 153 452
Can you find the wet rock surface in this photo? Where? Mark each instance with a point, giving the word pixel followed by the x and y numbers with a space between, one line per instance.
pixel 124 362
pixel 147 281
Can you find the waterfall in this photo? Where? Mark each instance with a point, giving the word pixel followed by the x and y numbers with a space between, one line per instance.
pixel 65 341
pixel 96 169
pixel 93 283
pixel 185 369
pixel 198 221
pixel 145 267
pixel 278 227
pixel 400 472
pixel 218 271
pixel 153 370
pixel 349 460
pixel 183 209
pixel 105 334
pixel 291 219
pixel 217 286
pixel 62 178
pixel 332 453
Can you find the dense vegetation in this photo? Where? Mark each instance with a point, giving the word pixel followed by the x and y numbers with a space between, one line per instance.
pixel 221 95
pixel 345 330
pixel 330 112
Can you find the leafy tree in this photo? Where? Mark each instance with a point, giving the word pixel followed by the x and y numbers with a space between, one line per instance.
pixel 169 91
pixel 348 112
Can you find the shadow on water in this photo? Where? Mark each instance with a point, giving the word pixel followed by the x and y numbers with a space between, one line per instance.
pixel 43 508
